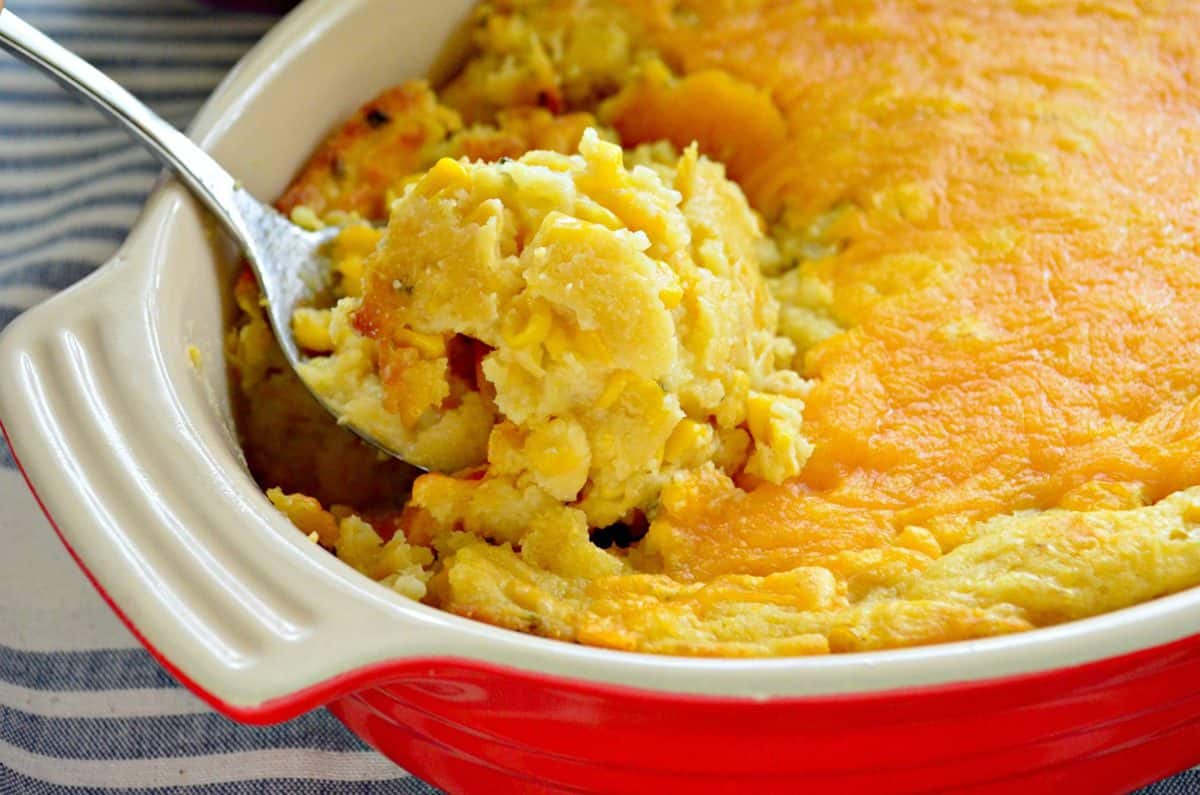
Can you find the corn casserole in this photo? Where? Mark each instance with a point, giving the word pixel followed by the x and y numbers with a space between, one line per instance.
pixel 753 327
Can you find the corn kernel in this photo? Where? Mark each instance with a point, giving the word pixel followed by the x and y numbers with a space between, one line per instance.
pixel 612 389
pixel 307 514
pixel 504 449
pixel 535 331
pixel 758 415
pixel 311 329
pixel 529 597
pixel 591 345
pixel 358 239
pixel 430 345
pixel 1074 142
pixel 554 449
pixel 446 173
pixel 1029 162
pixel 351 269
pixel 609 638
pixel 305 218
pixel 733 448
pixel 801 645
pixel 688 440
pixel 919 539
pixel 559 458
pixel 417 388
pixel 732 411
pixel 557 342
pixel 444 497
pixel 486 211
pixel 589 210
pixel 914 202
pixel 646 390
pixel 671 296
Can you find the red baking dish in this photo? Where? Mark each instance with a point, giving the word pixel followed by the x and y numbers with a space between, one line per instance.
pixel 129 446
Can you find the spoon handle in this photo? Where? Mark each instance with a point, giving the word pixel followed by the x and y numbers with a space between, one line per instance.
pixel 207 180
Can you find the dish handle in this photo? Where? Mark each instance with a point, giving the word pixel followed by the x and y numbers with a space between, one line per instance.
pixel 128 450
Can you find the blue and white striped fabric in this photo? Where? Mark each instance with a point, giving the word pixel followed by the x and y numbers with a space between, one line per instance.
pixel 83 709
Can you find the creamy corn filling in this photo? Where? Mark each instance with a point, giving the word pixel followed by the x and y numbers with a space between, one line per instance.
pixel 579 330
pixel 760 328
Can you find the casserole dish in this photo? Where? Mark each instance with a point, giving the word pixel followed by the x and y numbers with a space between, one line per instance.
pixel 129 445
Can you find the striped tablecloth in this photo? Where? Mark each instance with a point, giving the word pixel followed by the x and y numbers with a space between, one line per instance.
pixel 83 709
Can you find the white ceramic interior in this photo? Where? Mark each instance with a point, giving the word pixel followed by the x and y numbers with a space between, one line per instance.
pixel 133 453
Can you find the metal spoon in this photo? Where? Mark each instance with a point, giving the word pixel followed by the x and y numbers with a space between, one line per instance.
pixel 286 260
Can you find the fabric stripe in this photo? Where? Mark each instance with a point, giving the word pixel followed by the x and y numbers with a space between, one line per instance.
pixel 178 113
pixel 265 787
pixel 108 669
pixel 17 173
pixel 410 786
pixel 97 181
pixel 134 703
pixel 53 134
pixel 67 248
pixel 47 215
pixel 116 23
pixel 220 40
pixel 155 47
pixel 112 233
pixel 91 138
pixel 49 96
pixel 185 64
pixel 82 153
pixel 35 217
pixel 51 12
pixel 89 7
pixel 161 81
pixel 57 274
pixel 279 765
pixel 1186 783
pixel 155 736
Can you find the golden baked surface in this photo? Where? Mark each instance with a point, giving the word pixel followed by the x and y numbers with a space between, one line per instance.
pixel 958 267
